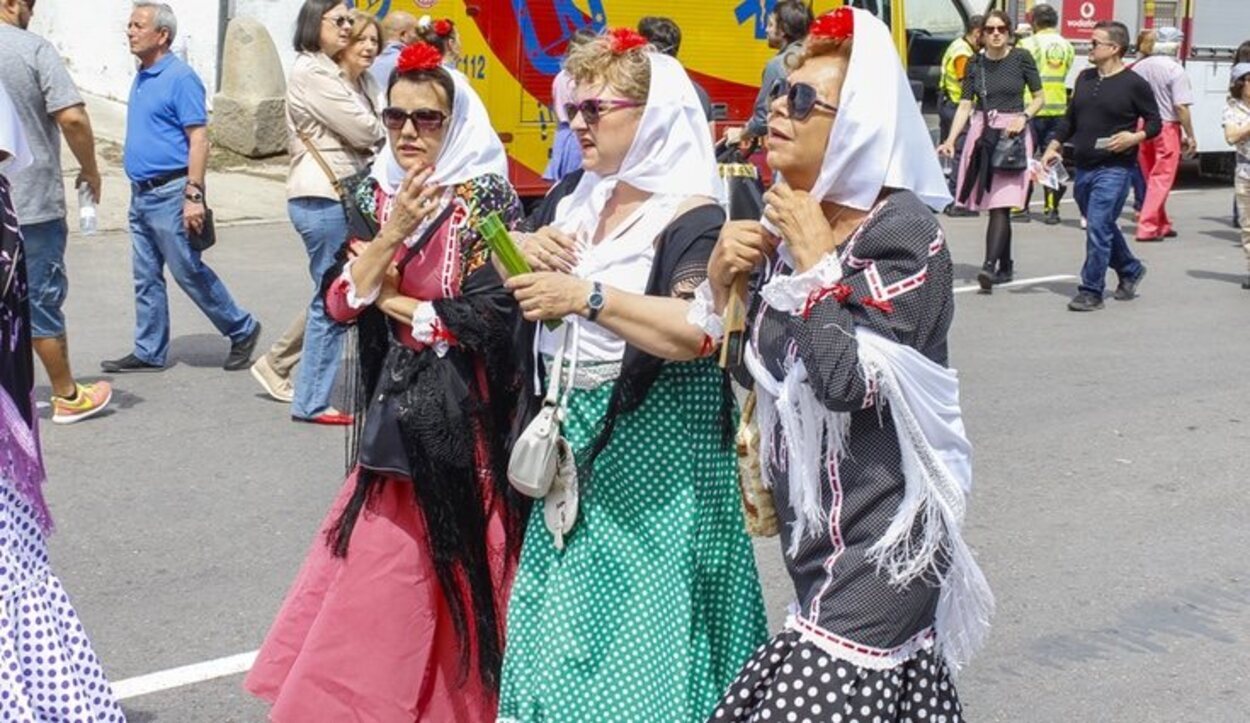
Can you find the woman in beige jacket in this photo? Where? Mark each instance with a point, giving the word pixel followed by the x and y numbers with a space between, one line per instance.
pixel 329 114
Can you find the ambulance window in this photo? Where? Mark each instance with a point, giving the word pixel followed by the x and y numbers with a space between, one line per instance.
pixel 938 17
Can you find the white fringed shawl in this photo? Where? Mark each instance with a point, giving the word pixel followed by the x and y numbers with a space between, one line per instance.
pixel 923 399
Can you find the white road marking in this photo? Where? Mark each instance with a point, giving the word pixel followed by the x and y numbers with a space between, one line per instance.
pixel 1018 282
pixel 186 675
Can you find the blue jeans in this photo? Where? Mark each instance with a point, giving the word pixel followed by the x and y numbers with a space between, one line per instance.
pixel 45 273
pixel 323 227
pixel 1101 193
pixel 158 238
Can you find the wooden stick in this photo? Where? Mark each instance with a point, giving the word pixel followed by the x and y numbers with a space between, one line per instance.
pixel 735 323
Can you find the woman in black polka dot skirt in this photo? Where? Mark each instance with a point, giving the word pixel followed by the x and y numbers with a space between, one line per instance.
pixel 48 671
pixel 862 442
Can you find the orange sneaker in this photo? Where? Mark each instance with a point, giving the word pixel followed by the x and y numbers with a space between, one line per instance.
pixel 91 399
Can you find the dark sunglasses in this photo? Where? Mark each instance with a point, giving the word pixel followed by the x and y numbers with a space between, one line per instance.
pixel 996 30
pixel 425 120
pixel 343 21
pixel 592 109
pixel 801 99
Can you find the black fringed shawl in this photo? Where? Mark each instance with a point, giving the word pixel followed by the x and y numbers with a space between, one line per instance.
pixel 441 407
pixel 680 265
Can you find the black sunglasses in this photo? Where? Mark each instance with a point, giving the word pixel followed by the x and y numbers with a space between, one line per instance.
pixel 801 99
pixel 997 30
pixel 342 21
pixel 425 120
pixel 592 109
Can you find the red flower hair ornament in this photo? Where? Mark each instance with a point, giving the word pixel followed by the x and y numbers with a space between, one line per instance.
pixel 419 56
pixel 624 40
pixel 443 27
pixel 836 25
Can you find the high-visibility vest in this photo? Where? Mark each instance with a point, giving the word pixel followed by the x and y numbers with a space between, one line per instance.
pixel 951 84
pixel 1053 55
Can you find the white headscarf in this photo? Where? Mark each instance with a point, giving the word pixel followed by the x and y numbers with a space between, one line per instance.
pixel 470 149
pixel 671 154
pixel 879 139
pixel 12 137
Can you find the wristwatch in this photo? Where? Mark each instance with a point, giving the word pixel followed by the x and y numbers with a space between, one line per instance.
pixel 194 197
pixel 594 301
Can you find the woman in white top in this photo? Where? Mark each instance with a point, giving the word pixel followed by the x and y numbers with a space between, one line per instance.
pixel 640 604
pixel 330 118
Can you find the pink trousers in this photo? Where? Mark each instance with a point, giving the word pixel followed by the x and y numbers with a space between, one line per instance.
pixel 1159 157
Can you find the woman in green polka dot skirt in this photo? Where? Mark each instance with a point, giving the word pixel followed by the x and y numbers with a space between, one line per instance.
pixel 650 604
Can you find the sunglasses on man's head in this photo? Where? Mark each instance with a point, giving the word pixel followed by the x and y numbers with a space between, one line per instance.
pixel 425 120
pixel 592 109
pixel 801 99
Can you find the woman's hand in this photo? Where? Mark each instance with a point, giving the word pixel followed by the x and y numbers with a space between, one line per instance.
pixel 1017 126
pixel 802 223
pixel 946 148
pixel 549 249
pixel 548 295
pixel 414 203
pixel 742 246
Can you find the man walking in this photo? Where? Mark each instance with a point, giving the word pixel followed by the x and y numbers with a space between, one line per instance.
pixel 49 105
pixel 165 157
pixel 1108 105
pixel 399 30
pixel 951 91
pixel 1053 55
pixel 787 28
pixel 1160 157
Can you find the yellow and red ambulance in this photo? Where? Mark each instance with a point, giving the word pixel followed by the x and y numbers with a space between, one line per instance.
pixel 512 51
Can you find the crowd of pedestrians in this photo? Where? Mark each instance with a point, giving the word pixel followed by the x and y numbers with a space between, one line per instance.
pixel 543 516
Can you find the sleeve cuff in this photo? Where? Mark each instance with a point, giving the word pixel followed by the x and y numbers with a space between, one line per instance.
pixel 354 300
pixel 702 313
pixel 792 293
pixel 428 329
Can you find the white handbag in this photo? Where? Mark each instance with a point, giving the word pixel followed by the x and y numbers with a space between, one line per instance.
pixel 541 452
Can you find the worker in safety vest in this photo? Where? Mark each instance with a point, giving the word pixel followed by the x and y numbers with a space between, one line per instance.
pixel 1053 55
pixel 950 92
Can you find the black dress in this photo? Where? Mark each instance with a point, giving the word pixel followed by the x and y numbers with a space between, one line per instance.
pixel 855 647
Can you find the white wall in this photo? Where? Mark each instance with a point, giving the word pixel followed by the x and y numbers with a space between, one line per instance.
pixel 91 36
pixel 278 17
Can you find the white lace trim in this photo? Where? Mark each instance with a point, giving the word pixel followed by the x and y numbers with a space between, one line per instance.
pixel 790 293
pixel 354 300
pixel 864 656
pixel 703 314
pixel 424 321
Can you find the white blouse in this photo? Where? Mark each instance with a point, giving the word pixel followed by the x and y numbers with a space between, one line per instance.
pixel 621 261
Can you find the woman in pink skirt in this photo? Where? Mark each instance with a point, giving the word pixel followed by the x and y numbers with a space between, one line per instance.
pixel 398 612
pixel 994 95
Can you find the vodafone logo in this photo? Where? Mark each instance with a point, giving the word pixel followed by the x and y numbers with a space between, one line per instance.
pixel 1087 10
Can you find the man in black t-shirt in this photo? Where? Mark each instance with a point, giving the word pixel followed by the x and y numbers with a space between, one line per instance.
pixel 1107 106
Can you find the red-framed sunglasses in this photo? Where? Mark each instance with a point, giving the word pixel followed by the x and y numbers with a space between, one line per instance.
pixel 592 109
pixel 425 120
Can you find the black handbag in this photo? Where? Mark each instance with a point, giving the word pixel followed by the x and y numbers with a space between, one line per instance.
pixel 207 235
pixel 1010 152
pixel 359 224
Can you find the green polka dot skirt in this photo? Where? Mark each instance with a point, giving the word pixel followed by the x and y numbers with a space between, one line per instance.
pixel 654 604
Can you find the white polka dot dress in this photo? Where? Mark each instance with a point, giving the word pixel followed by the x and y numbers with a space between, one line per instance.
pixel 654 605
pixel 48 671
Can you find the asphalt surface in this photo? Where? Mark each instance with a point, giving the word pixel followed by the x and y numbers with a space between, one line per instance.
pixel 1109 512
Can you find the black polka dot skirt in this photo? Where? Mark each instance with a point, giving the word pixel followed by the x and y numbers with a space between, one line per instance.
pixel 790 680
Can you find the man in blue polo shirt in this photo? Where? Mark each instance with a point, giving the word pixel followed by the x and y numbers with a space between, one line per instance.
pixel 165 157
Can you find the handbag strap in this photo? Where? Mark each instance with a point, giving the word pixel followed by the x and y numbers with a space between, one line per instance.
pixel 558 395
pixel 321 161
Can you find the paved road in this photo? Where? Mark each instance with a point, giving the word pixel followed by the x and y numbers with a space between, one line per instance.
pixel 1110 511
